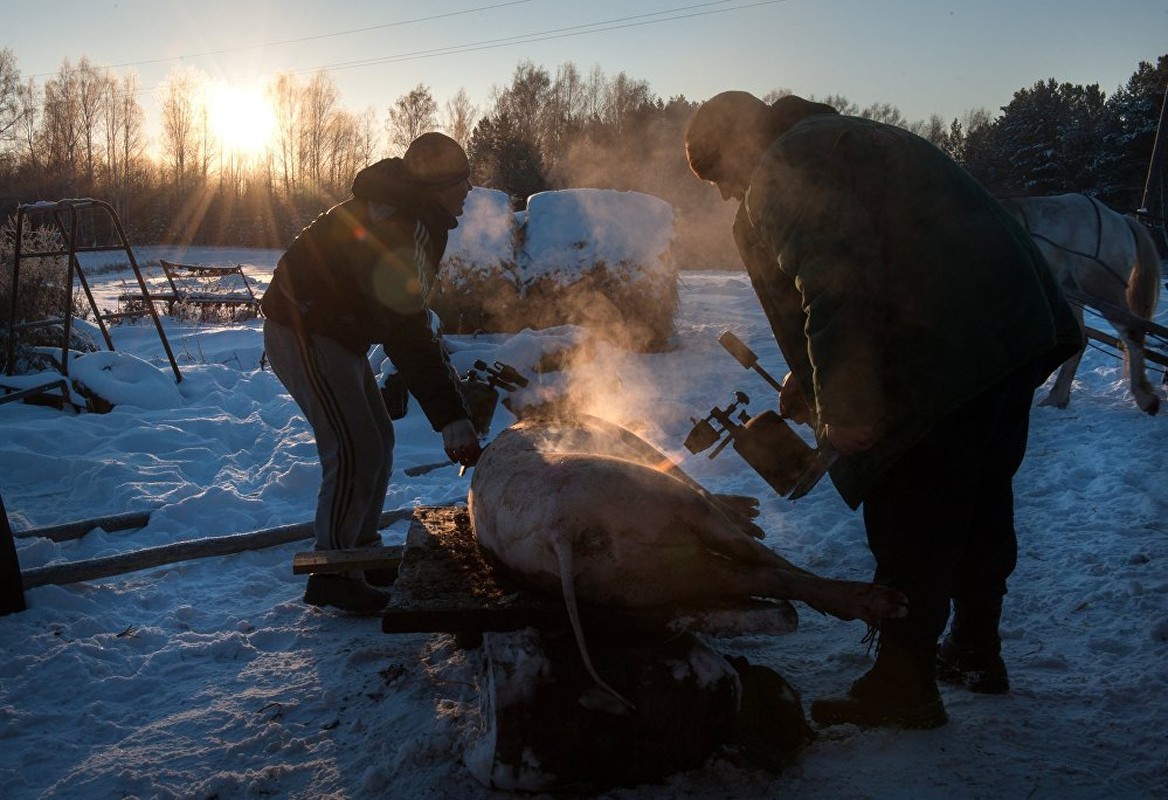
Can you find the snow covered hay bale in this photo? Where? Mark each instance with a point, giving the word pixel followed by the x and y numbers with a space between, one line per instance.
pixel 478 285
pixel 601 259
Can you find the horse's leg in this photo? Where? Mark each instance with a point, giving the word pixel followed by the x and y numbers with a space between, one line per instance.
pixel 1135 368
pixel 1143 295
pixel 1060 392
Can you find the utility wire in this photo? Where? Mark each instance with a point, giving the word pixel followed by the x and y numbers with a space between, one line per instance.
pixel 278 42
pixel 634 21
pixel 602 26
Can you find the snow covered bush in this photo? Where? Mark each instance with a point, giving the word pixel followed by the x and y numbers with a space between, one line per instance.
pixel 42 295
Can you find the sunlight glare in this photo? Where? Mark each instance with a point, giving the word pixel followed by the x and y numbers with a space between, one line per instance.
pixel 242 118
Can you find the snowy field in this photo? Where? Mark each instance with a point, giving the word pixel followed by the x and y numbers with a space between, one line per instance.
pixel 212 679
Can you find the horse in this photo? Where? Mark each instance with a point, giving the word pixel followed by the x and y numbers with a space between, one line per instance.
pixel 1102 259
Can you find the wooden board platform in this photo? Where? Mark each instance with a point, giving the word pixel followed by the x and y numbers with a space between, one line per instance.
pixel 346 560
pixel 445 585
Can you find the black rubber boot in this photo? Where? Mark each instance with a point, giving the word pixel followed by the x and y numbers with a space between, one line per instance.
pixel 344 592
pixel 381 576
pixel 900 691
pixel 971 654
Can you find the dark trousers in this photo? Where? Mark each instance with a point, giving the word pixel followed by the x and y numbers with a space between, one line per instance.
pixel 940 522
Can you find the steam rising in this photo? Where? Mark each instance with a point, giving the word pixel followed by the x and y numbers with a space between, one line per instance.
pixel 600 259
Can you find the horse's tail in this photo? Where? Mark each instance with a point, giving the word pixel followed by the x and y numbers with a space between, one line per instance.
pixel 1143 287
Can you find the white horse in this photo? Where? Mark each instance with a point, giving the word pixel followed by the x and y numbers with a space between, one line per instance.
pixel 1105 260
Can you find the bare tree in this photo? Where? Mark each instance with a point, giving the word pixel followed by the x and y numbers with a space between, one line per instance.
pixel 59 133
pixel 932 129
pixel 181 122
pixel 12 108
pixel 886 113
pixel 28 126
pixel 594 91
pixel 567 104
pixel 624 98
pixel 317 115
pixel 410 116
pixel 125 140
pixel 207 144
pixel 526 101
pixel 366 140
pixel 459 118
pixel 284 95
pixel 354 147
pixel 95 87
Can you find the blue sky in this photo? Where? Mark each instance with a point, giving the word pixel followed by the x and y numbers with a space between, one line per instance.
pixel 922 57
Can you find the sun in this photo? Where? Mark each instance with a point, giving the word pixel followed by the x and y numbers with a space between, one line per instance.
pixel 240 117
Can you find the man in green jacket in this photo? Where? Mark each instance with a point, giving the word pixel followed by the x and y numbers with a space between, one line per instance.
pixel 360 275
pixel 917 319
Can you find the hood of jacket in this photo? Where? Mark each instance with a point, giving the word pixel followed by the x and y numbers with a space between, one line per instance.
pixel 386 182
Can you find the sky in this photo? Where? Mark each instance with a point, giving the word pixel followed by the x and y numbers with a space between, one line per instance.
pixel 923 57
pixel 210 677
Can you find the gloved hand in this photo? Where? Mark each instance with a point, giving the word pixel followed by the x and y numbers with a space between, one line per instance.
pixel 461 442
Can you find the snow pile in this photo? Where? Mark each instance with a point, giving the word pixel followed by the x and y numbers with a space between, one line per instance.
pixel 479 285
pixel 125 379
pixel 596 258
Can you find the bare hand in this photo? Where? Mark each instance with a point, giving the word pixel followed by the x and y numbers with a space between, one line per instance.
pixel 849 440
pixel 792 403
pixel 461 442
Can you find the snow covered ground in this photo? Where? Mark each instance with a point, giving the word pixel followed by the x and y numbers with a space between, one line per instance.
pixel 210 678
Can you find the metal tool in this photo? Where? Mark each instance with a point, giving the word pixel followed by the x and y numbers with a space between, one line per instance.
pixel 765 441
pixel 480 389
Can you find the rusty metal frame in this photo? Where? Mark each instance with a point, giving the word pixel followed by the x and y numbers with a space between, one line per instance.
pixel 64 214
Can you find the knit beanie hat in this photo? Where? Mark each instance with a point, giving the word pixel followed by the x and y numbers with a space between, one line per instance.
pixel 436 160
pixel 731 118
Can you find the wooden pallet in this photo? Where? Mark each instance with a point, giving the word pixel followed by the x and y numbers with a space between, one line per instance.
pixel 445 585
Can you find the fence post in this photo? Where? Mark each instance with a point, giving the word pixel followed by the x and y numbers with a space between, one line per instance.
pixel 11 584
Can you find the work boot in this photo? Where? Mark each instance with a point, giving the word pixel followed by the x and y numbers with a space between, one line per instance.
pixel 347 593
pixel 971 654
pixel 900 691
pixel 981 671
pixel 381 576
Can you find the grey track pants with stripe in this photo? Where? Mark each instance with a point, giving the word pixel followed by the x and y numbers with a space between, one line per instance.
pixel 338 394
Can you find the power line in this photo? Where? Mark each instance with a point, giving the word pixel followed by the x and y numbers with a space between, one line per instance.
pixel 638 20
pixel 602 26
pixel 275 43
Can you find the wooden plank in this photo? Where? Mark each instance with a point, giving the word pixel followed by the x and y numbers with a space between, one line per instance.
pixel 93 569
pixel 75 530
pixel 58 384
pixel 346 560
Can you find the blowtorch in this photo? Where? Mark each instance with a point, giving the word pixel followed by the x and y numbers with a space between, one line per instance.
pixel 480 389
pixel 765 441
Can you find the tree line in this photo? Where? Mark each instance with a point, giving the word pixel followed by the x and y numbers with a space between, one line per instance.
pixel 82 134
